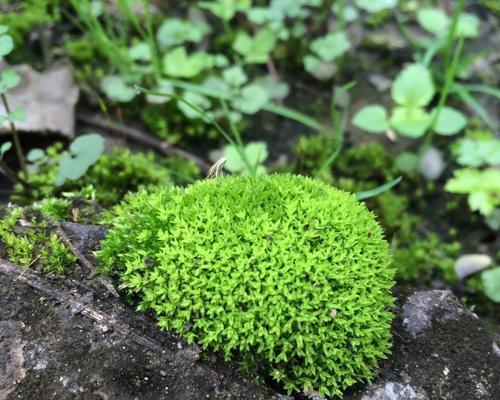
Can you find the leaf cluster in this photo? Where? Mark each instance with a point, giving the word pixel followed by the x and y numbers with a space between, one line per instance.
pixel 111 177
pixel 282 269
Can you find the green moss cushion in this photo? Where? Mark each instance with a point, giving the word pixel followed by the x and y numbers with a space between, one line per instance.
pixel 289 272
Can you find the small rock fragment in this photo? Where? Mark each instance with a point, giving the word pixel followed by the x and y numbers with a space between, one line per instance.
pixel 469 264
pixel 394 391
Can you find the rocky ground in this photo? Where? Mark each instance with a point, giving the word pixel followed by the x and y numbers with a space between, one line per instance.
pixel 73 338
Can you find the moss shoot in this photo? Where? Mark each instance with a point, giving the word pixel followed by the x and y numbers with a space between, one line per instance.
pixel 287 272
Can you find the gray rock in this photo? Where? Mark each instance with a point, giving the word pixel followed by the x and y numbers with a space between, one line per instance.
pixel 395 391
pixel 420 308
pixel 11 356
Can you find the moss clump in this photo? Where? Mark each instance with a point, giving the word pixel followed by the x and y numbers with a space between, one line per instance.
pixel 422 258
pixel 113 175
pixel 28 241
pixel 289 272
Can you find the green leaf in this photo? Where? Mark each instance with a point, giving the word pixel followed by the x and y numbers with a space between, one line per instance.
pixel 115 89
pixel 411 122
pixel 178 64
pixel 481 186
pixel 449 122
pixel 378 190
pixel 375 6
pixel 491 283
pixel 140 52
pixel 372 118
pixel 318 68
pixel 255 49
pixel 234 76
pixel 84 152
pixel 413 86
pixel 6 45
pixel 433 20
pixel 200 102
pixel 468 26
pixel 8 80
pixel 17 115
pixel 330 47
pixel 252 99
pixel 3 29
pixel 255 152
pixel 35 155
pixel 407 162
pixel 225 9
pixel 174 31
pixel 5 147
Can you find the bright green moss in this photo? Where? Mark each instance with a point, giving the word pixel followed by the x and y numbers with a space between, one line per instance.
pixel 28 241
pixel 287 271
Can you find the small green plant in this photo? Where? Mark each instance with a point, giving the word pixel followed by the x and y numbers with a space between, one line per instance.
pixel 289 272
pixel 111 177
pixel 10 79
pixel 83 152
pixel 29 241
pixel 412 91
pixel 482 185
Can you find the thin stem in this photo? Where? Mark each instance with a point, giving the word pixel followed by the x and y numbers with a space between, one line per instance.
pixel 449 77
pixel 453 31
pixel 15 136
pixel 12 176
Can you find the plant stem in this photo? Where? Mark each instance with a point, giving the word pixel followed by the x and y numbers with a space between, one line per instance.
pixel 15 136
pixel 453 31
pixel 12 176
pixel 449 77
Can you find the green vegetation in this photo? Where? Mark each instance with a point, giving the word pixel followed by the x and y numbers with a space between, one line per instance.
pixel 29 241
pixel 110 178
pixel 293 274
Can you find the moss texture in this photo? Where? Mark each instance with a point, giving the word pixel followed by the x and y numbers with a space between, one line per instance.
pixel 287 271
pixel 28 241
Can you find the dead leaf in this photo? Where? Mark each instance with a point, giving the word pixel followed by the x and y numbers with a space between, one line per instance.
pixel 49 99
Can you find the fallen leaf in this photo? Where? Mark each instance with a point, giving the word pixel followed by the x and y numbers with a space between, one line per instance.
pixel 48 98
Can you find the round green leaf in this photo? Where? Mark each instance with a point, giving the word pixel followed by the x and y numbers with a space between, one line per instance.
pixel 321 70
pixel 375 6
pixel 178 64
pixel 6 45
pixel 140 52
pixel 449 122
pixel 468 26
pixel 413 86
pixel 234 76
pixel 5 147
pixel 35 155
pixel 17 115
pixel 411 122
pixel 491 283
pixel 407 162
pixel 372 118
pixel 8 80
pixel 115 88
pixel 252 99
pixel 330 47
pixel 433 20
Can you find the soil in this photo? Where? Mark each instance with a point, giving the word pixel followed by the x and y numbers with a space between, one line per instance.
pixel 71 338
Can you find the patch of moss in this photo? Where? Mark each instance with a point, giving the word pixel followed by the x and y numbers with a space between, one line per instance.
pixel 285 270
pixel 423 258
pixel 25 16
pixel 28 241
pixel 113 175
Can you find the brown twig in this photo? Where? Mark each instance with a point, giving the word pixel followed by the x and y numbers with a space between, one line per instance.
pixel 83 260
pixel 143 138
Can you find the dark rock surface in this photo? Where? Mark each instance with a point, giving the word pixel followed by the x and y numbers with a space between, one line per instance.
pixel 72 339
